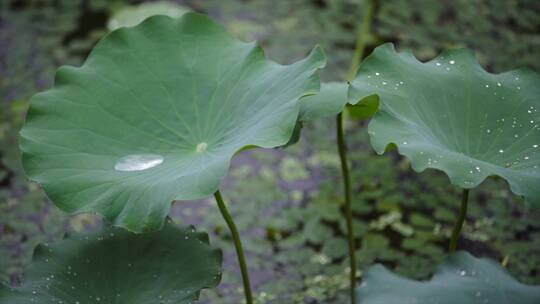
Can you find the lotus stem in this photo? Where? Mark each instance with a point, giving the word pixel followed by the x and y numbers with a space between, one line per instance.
pixel 460 220
pixel 361 41
pixel 348 210
pixel 237 244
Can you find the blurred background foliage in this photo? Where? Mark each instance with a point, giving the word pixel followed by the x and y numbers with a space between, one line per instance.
pixel 288 203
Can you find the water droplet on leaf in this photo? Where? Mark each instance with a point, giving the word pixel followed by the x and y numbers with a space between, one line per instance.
pixel 138 162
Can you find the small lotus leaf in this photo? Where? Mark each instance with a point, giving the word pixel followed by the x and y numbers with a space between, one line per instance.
pixel 331 100
pixel 365 108
pixel 452 115
pixel 117 266
pixel 132 15
pixel 155 114
pixel 462 279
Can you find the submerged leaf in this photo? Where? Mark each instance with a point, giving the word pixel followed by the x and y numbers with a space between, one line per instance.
pixel 462 279
pixel 452 115
pixel 155 114
pixel 117 266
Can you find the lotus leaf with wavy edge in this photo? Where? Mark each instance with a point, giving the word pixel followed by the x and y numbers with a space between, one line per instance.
pixel 155 114
pixel 452 115
pixel 461 278
pixel 117 266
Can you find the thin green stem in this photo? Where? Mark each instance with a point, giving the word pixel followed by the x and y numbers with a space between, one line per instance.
pixel 237 244
pixel 460 220
pixel 361 41
pixel 342 149
pixel 361 38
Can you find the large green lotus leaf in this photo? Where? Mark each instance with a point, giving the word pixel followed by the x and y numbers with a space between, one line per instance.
pixel 132 15
pixel 155 114
pixel 462 279
pixel 450 114
pixel 116 266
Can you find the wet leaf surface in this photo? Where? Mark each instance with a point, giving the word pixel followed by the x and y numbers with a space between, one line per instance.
pixel 461 278
pixel 450 114
pixel 116 266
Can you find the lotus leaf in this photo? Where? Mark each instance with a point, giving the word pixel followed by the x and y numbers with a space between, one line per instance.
pixel 155 114
pixel 331 100
pixel 462 279
pixel 452 115
pixel 132 15
pixel 117 266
